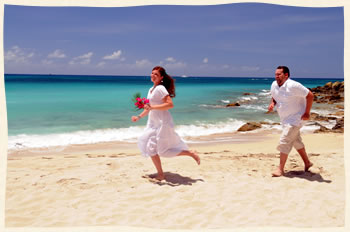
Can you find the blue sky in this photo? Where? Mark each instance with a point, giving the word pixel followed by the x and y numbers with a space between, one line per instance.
pixel 235 40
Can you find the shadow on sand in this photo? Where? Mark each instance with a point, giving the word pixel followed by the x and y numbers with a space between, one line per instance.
pixel 172 179
pixel 310 176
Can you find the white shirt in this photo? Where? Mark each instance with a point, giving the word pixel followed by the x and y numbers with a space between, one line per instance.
pixel 291 101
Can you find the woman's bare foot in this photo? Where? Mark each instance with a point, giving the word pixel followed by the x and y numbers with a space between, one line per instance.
pixel 307 167
pixel 193 154
pixel 159 177
pixel 278 173
pixel 195 157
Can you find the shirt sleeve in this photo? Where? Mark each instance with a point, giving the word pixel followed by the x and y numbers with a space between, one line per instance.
pixel 273 86
pixel 300 90
pixel 161 91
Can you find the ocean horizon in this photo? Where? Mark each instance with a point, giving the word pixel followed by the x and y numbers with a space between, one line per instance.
pixel 59 110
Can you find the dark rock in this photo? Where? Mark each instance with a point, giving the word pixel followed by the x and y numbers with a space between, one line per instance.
pixel 313 115
pixel 335 97
pixel 340 130
pixel 328 85
pixel 317 117
pixel 233 104
pixel 340 106
pixel 322 129
pixel 336 85
pixel 339 124
pixel 338 113
pixel 250 126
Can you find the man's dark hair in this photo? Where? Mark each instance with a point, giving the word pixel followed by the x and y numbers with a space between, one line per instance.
pixel 285 69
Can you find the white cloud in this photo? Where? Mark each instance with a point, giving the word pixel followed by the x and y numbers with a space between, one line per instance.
pixel 101 64
pixel 143 63
pixel 57 54
pixel 205 60
pixel 18 55
pixel 86 56
pixel 83 59
pixel 172 63
pixel 170 59
pixel 115 56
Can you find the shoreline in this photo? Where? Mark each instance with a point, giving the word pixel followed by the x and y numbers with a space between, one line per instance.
pixel 234 137
pixel 230 133
pixel 102 147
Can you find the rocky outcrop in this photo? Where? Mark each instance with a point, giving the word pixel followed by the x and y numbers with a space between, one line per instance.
pixel 322 129
pixel 340 107
pixel 317 117
pixel 337 128
pixel 250 126
pixel 242 101
pixel 329 93
pixel 338 113
pixel 339 125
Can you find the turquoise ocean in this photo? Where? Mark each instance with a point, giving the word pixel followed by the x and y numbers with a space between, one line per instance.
pixel 59 110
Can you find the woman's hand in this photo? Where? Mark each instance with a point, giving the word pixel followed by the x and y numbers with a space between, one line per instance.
pixel 135 118
pixel 148 107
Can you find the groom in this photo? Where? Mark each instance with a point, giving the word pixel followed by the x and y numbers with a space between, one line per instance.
pixel 293 102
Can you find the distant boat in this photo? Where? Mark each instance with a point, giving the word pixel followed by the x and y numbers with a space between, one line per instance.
pixel 184 76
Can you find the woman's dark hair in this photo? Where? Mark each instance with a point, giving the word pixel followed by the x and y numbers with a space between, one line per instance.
pixel 168 82
pixel 285 69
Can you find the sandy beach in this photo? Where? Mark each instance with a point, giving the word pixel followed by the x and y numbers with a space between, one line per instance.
pixel 109 185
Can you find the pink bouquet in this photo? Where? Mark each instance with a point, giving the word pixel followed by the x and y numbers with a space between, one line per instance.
pixel 139 102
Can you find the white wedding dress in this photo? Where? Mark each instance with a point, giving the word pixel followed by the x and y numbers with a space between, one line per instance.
pixel 159 136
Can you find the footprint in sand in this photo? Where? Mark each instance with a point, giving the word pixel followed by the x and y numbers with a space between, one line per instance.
pixel 71 156
pixel 66 181
pixel 94 156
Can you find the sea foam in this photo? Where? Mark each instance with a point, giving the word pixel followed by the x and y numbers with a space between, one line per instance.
pixel 129 134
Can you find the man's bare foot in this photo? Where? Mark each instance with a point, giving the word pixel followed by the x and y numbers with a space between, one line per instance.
pixel 307 167
pixel 195 157
pixel 278 173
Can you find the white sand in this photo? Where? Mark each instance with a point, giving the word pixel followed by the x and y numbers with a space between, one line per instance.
pixel 104 185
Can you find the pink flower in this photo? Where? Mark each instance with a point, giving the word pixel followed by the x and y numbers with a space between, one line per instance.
pixel 139 102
